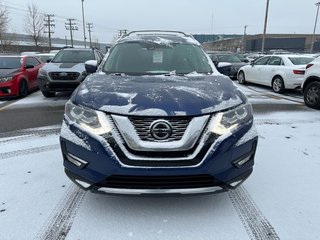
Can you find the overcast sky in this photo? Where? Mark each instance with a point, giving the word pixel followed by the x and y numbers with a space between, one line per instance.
pixel 191 16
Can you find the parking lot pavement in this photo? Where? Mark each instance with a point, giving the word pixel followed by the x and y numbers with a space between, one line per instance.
pixel 279 200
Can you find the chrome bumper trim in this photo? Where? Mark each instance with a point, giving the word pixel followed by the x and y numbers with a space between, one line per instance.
pixel 183 191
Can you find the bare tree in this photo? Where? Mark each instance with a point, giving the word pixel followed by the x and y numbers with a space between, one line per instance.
pixel 4 21
pixel 35 24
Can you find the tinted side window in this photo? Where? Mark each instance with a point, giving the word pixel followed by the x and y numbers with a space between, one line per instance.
pixel 275 61
pixel 262 61
pixel 32 61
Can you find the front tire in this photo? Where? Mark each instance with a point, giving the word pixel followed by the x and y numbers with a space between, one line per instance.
pixel 48 94
pixel 312 95
pixel 241 78
pixel 278 85
pixel 23 88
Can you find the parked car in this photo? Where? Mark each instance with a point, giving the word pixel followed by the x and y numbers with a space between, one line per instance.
pixel 18 75
pixel 29 53
pixel 66 70
pixel 224 68
pixel 311 84
pixel 242 57
pixel 157 118
pixel 45 57
pixel 233 59
pixel 280 72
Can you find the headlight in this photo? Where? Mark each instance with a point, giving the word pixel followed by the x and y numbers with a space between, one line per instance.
pixel 227 122
pixel 89 120
pixel 6 79
pixel 42 73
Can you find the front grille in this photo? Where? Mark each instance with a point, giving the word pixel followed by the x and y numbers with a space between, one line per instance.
pixel 159 182
pixel 64 76
pixel 142 126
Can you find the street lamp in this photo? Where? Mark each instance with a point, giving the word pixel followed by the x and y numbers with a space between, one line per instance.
pixel 315 27
pixel 83 24
pixel 244 38
pixel 265 28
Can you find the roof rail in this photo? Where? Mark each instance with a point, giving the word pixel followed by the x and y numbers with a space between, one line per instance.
pixel 155 31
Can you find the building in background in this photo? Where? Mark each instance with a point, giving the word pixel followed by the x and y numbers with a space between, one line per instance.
pixel 253 43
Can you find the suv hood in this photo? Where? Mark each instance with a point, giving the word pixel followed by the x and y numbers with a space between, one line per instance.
pixel 158 95
pixel 69 67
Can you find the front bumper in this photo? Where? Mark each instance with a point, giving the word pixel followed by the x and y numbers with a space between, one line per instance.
pixel 93 165
pixel 46 84
pixel 9 89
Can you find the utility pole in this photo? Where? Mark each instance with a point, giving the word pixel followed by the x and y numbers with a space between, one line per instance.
pixel 89 26
pixel 83 24
pixel 265 28
pixel 72 26
pixel 49 24
pixel 244 38
pixel 314 29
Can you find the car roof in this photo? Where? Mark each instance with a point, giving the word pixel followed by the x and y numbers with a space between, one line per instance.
pixel 45 54
pixel 288 55
pixel 77 49
pixel 159 36
pixel 15 56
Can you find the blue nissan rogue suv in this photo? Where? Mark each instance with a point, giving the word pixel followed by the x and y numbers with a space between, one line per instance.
pixel 155 117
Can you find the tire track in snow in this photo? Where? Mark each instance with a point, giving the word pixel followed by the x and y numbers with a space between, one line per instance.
pixel 256 224
pixel 26 133
pixel 29 151
pixel 61 220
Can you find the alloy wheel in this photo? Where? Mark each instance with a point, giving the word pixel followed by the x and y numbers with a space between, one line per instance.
pixel 313 95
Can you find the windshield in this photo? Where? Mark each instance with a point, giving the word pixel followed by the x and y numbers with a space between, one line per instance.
pixel 73 56
pixel 229 58
pixel 149 58
pixel 10 62
pixel 300 60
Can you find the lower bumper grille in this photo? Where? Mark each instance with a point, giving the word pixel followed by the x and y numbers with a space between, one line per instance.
pixel 159 182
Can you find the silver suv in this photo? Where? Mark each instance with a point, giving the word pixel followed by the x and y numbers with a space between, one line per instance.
pixel 66 70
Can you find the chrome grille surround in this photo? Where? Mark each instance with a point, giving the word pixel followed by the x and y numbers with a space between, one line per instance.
pixel 131 138
pixel 64 76
pixel 142 126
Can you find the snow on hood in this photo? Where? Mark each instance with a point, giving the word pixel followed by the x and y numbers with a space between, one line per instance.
pixel 158 95
pixel 58 67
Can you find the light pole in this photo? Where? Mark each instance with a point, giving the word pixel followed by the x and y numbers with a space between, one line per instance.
pixel 265 28
pixel 315 27
pixel 244 38
pixel 84 27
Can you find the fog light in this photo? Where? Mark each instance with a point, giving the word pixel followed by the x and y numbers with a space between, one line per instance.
pixel 82 183
pixel 234 184
pixel 239 162
pixel 76 161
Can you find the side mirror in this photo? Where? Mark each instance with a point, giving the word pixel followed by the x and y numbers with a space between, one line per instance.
pixel 252 63
pixel 29 66
pixel 223 64
pixel 49 60
pixel 215 63
pixel 91 66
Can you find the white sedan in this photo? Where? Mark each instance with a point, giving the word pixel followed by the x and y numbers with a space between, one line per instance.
pixel 280 72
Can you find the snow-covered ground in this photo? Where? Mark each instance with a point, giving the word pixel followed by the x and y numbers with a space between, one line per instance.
pixel 280 200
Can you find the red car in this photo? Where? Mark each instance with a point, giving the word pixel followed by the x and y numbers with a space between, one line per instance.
pixel 18 75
